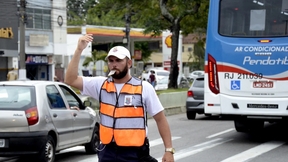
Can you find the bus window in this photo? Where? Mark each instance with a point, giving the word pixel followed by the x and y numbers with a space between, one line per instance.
pixel 253 18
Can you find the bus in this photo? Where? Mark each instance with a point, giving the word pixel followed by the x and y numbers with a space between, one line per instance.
pixel 246 62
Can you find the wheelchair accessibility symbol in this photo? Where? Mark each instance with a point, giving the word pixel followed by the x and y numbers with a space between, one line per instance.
pixel 235 84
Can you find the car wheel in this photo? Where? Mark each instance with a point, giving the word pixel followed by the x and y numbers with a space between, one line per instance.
pixel 47 152
pixel 191 115
pixel 91 147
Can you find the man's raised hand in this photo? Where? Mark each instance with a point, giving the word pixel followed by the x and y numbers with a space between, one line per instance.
pixel 83 41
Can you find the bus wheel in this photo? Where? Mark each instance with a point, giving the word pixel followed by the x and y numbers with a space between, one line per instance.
pixel 256 125
pixel 241 125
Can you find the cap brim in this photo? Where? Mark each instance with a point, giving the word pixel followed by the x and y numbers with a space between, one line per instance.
pixel 118 56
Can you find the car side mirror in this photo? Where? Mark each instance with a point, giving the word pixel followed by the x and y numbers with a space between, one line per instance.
pixel 87 103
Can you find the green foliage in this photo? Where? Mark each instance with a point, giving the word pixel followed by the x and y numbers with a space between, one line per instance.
pixel 77 11
pixel 146 53
pixel 87 61
pixel 199 54
pixel 105 19
pixel 197 22
pixel 96 55
pixel 155 16
pixel 74 19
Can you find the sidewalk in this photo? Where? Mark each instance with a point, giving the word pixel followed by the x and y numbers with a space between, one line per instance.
pixel 173 103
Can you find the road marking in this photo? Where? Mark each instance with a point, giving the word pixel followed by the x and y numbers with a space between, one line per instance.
pixel 217 134
pixel 159 141
pixel 76 148
pixel 152 143
pixel 4 159
pixel 255 151
pixel 94 159
pixel 197 148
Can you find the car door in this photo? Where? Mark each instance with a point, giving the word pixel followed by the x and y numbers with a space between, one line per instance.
pixel 61 116
pixel 82 122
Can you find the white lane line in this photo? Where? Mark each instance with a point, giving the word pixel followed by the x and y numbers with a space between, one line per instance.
pixel 76 148
pixel 197 148
pixel 152 143
pixel 220 133
pixel 159 141
pixel 255 151
pixel 94 159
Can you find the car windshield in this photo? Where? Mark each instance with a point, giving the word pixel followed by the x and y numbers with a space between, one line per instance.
pixel 17 97
pixel 163 80
pixel 199 83
pixel 163 73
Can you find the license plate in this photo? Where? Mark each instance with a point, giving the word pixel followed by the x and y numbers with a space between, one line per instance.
pixel 263 84
pixel 263 106
pixel 2 142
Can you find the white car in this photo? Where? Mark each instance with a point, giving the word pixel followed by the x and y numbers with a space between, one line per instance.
pixel 193 75
pixel 161 78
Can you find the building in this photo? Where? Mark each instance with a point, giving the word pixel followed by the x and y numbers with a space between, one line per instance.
pixel 45 35
pixel 45 39
pixel 188 42
pixel 8 37
pixel 104 35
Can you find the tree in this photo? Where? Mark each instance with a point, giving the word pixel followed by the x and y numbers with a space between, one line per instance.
pixel 77 11
pixel 198 53
pixel 156 16
pixel 146 53
pixel 96 55
pixel 174 12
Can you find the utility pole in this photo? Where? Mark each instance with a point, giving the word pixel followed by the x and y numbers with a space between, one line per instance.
pixel 127 34
pixel 127 30
pixel 22 70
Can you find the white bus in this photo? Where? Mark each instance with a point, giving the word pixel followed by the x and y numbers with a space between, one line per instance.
pixel 246 61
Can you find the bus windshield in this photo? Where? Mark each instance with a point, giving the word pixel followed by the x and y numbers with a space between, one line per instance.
pixel 253 18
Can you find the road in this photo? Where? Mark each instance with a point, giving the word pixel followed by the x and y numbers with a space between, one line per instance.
pixel 206 139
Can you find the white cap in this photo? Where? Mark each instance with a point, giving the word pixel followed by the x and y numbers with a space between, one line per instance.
pixel 119 52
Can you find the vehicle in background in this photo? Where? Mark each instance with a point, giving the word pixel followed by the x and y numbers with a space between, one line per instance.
pixel 162 83
pixel 195 98
pixel 41 118
pixel 246 62
pixel 195 74
pixel 182 81
pixel 162 78
pixel 146 73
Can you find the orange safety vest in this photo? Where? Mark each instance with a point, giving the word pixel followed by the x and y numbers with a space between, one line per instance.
pixel 122 116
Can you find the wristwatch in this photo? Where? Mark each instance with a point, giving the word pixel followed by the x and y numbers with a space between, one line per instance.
pixel 172 150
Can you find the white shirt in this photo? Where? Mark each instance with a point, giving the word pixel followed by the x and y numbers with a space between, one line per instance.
pixel 151 102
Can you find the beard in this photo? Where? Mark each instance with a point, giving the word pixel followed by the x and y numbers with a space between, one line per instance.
pixel 121 74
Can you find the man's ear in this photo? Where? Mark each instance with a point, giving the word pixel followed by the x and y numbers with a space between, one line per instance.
pixel 130 63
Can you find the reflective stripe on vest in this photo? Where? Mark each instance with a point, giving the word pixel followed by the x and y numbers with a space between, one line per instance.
pixel 122 117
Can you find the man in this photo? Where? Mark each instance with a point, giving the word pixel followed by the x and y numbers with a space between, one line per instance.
pixel 12 75
pixel 152 78
pixel 124 101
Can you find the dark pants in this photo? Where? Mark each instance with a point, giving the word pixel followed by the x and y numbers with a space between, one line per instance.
pixel 114 153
